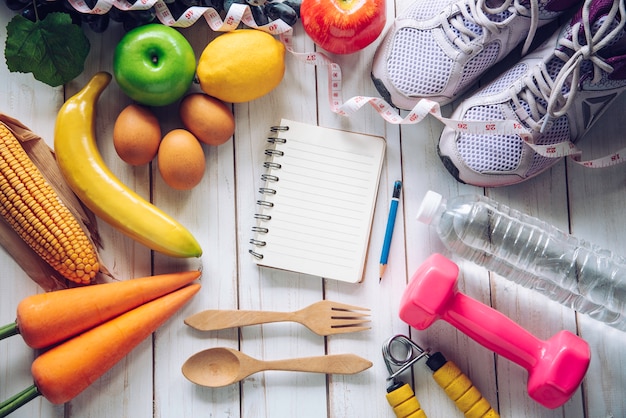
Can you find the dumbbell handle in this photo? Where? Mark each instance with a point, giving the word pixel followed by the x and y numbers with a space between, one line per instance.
pixel 556 366
pixel 564 353
pixel 494 330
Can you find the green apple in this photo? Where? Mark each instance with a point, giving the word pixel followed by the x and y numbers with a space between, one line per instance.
pixel 154 64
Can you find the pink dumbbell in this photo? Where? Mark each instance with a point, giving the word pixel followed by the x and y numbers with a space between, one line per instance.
pixel 555 367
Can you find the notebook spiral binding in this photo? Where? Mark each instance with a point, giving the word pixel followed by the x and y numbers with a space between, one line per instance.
pixel 267 178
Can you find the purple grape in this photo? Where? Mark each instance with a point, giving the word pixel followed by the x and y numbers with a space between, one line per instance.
pixel 294 4
pixel 43 9
pixel 116 15
pixel 17 5
pixel 281 11
pixel 216 4
pixel 228 3
pixel 191 3
pixel 135 18
pixel 97 23
pixel 259 15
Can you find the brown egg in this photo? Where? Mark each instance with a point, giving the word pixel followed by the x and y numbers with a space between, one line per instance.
pixel 208 118
pixel 181 160
pixel 136 135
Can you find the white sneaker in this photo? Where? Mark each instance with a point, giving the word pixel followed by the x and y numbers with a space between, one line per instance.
pixel 437 49
pixel 556 93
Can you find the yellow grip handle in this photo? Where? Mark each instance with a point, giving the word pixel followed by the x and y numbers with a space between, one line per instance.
pixel 404 403
pixel 460 389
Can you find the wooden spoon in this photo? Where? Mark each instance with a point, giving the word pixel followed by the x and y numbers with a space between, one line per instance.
pixel 223 366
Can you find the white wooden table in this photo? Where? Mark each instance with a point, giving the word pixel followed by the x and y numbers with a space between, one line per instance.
pixel 148 382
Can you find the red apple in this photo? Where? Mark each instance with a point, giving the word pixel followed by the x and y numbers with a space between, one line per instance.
pixel 343 26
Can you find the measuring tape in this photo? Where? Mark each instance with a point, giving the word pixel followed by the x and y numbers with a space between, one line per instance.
pixel 239 13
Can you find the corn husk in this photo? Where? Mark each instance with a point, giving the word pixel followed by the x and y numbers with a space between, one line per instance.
pixel 43 157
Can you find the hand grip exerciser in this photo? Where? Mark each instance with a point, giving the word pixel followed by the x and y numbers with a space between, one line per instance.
pixel 457 386
pixel 555 367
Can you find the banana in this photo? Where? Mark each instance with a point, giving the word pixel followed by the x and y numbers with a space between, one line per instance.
pixel 100 190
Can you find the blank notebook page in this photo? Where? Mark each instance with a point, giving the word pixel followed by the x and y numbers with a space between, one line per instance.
pixel 318 200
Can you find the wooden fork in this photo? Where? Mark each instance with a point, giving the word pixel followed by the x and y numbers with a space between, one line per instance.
pixel 323 318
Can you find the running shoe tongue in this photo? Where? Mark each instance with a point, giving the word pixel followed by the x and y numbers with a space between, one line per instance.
pixel 597 8
pixel 614 52
pixel 470 24
pixel 554 5
pixel 619 67
pixel 476 28
pixel 492 4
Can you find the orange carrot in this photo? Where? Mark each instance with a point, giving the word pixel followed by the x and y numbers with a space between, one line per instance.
pixel 48 318
pixel 64 371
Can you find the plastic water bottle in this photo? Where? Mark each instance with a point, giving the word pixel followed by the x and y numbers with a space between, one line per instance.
pixel 532 253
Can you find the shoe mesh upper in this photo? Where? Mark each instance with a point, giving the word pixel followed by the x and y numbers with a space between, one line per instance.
pixel 480 63
pixel 506 150
pixel 560 130
pixel 418 74
pixel 484 153
pixel 418 66
pixel 503 153
pixel 429 71
pixel 424 10
pixel 504 81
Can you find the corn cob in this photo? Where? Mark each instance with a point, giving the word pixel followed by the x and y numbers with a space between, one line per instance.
pixel 33 209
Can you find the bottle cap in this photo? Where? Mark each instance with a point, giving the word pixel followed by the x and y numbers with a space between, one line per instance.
pixel 429 206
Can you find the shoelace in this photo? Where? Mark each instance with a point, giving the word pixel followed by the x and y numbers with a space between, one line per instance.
pixel 550 99
pixel 558 103
pixel 476 11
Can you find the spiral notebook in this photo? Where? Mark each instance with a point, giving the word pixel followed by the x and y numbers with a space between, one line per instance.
pixel 317 200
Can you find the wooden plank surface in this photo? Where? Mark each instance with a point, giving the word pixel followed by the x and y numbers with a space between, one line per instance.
pixel 148 383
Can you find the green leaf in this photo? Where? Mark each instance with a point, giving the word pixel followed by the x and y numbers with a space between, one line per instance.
pixel 53 49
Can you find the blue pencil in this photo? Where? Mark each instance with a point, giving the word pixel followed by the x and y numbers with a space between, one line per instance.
pixel 391 221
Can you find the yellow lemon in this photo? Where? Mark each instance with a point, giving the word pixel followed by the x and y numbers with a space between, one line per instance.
pixel 241 65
